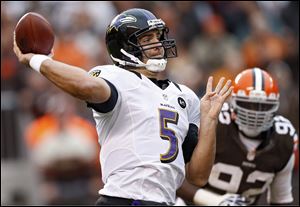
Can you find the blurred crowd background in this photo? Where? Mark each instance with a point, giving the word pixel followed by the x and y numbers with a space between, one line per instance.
pixel 49 150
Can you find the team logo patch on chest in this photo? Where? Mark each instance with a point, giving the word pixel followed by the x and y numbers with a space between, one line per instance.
pixel 181 102
pixel 95 73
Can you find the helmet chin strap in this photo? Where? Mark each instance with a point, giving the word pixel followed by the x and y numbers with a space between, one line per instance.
pixel 153 65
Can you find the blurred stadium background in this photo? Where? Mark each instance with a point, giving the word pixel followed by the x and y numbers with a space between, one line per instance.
pixel 40 161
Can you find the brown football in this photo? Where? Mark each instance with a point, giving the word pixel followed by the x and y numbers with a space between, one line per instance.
pixel 34 34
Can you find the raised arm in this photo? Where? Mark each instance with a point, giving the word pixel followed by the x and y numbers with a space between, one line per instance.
pixel 73 80
pixel 202 160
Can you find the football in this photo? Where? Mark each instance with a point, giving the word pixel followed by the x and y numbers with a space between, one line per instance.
pixel 34 34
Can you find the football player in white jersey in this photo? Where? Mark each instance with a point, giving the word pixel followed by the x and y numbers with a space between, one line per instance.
pixel 255 148
pixel 148 128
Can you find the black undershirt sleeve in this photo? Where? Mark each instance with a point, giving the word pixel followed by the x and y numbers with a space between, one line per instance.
pixel 190 142
pixel 108 105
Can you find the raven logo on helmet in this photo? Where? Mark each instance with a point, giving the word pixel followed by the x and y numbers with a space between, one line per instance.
pixel 119 20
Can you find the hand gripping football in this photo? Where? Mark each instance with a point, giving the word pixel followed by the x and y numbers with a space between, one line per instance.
pixel 34 34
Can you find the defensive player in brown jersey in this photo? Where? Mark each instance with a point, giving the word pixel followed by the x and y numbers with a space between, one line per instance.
pixel 254 149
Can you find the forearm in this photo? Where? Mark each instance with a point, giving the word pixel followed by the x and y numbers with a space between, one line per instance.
pixel 187 191
pixel 200 196
pixel 199 168
pixel 75 81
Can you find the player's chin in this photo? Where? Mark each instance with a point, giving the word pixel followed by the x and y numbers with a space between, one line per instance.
pixel 156 55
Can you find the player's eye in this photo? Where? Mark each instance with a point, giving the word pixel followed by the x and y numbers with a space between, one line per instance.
pixel 146 40
pixel 255 106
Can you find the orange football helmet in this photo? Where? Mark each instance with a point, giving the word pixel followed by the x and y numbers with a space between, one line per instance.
pixel 255 100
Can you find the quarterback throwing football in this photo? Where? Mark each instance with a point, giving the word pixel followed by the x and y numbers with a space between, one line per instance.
pixel 153 133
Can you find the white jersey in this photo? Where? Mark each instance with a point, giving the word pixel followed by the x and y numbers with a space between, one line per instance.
pixel 141 155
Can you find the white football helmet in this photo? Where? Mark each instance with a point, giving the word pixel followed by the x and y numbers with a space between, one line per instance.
pixel 255 100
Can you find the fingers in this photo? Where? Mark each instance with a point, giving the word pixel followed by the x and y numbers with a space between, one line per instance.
pixel 225 88
pixel 208 95
pixel 15 46
pixel 228 92
pixel 209 84
pixel 16 49
pixel 221 90
pixel 220 84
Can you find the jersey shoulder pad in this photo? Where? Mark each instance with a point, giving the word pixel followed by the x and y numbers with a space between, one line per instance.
pixel 192 103
pixel 122 79
pixel 285 132
pixel 283 126
pixel 103 70
pixel 192 99
pixel 187 91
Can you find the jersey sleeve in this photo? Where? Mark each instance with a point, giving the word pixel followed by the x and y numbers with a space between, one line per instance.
pixel 103 71
pixel 107 73
pixel 191 139
pixel 108 105
pixel 119 80
pixel 193 106
pixel 281 188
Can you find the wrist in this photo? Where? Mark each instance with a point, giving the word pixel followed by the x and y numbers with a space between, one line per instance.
pixel 208 120
pixel 204 197
pixel 36 61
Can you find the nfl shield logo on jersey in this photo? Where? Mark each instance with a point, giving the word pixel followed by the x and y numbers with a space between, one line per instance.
pixel 165 96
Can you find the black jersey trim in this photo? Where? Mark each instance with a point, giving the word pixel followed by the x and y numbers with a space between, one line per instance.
pixel 177 86
pixel 190 142
pixel 163 84
pixel 108 105
pixel 137 74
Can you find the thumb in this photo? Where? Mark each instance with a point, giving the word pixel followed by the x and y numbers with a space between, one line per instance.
pixel 51 54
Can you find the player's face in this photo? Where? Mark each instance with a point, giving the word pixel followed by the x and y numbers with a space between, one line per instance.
pixel 255 106
pixel 153 48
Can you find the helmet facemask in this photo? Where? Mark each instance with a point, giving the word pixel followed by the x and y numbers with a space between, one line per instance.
pixel 254 113
pixel 168 45
pixel 157 63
